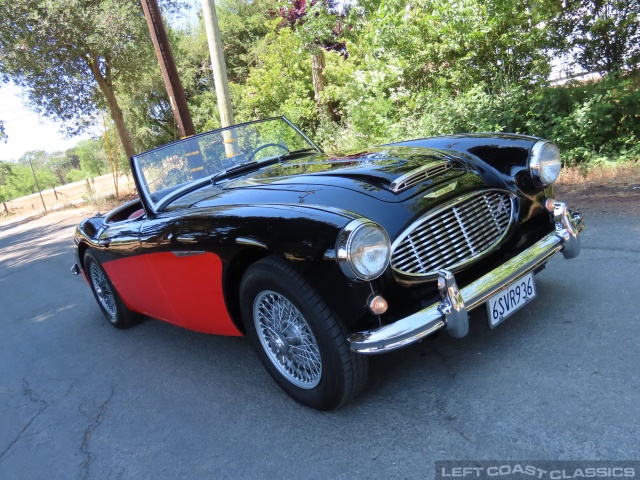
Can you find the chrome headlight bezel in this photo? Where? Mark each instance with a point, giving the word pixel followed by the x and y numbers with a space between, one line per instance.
pixel 545 170
pixel 345 250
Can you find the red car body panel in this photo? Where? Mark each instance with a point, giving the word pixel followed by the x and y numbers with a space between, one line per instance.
pixel 183 290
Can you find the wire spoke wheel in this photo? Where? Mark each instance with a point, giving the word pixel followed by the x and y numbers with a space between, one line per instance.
pixel 287 339
pixel 107 296
pixel 298 339
pixel 103 291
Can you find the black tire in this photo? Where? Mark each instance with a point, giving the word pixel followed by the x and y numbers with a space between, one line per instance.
pixel 106 295
pixel 272 283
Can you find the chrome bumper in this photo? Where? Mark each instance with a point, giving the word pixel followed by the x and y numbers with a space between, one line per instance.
pixel 451 311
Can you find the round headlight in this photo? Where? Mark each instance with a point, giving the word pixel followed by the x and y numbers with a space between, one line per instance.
pixel 545 162
pixel 363 250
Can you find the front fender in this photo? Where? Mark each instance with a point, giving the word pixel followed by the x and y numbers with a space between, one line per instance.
pixel 305 236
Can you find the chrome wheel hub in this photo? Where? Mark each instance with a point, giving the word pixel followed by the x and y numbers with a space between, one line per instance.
pixel 287 339
pixel 103 291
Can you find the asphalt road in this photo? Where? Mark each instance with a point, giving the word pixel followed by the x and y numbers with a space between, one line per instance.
pixel 80 399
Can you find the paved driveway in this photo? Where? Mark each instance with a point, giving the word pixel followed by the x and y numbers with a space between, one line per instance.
pixel 80 399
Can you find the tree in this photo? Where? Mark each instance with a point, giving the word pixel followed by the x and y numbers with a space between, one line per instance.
pixel 73 56
pixel 18 177
pixel 602 35
pixel 59 164
pixel 438 44
pixel 92 158
pixel 3 135
pixel 319 25
pixel 243 26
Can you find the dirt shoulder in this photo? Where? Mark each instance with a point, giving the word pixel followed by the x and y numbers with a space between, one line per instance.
pixel 619 195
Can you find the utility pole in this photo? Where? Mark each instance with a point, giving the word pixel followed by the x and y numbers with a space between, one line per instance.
pixel 174 87
pixel 220 76
pixel 168 67
pixel 37 186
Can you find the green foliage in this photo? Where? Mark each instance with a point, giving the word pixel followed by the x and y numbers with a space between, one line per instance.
pixel 601 35
pixel 75 175
pixel 16 179
pixel 93 161
pixel 51 169
pixel 48 47
pixel 591 121
pixel 242 24
pixel 280 83
pixel 3 134
pixel 440 45
pixel 393 71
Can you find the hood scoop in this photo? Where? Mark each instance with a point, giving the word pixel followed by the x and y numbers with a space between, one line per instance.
pixel 419 175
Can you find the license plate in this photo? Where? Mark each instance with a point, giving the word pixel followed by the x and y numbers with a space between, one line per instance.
pixel 510 299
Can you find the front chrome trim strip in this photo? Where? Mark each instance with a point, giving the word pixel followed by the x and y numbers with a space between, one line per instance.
pixel 451 311
pixel 419 175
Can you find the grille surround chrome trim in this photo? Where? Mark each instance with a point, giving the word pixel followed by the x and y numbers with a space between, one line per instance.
pixel 419 175
pixel 409 277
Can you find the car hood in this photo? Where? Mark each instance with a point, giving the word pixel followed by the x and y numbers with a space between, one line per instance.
pixel 356 182
pixel 377 168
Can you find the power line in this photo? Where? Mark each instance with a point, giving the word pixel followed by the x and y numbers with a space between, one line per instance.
pixel 19 118
pixel 11 109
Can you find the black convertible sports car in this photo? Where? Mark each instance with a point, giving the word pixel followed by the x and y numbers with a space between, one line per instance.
pixel 324 259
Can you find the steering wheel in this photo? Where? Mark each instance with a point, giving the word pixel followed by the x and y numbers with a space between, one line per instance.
pixel 266 145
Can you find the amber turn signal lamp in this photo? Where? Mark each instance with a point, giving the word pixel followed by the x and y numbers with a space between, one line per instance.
pixel 378 305
pixel 550 204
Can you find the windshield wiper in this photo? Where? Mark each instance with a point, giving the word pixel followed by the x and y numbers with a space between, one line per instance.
pixel 302 150
pixel 243 167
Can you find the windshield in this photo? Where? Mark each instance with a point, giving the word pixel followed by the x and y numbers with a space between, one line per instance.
pixel 179 166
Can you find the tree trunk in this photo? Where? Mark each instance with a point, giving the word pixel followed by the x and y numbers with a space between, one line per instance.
pixel 318 66
pixel 113 163
pixel 114 109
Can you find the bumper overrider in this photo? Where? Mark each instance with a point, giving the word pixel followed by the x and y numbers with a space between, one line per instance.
pixel 451 312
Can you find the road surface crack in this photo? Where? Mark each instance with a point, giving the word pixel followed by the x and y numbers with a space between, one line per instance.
pixel 28 392
pixel 84 446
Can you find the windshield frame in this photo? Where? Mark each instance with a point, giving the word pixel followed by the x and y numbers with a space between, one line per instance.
pixel 154 208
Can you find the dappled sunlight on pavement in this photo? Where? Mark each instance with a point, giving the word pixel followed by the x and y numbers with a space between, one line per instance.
pixel 25 241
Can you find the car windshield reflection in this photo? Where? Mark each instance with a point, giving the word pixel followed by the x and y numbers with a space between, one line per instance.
pixel 167 171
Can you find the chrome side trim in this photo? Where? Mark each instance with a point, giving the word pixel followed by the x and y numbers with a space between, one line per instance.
pixel 250 241
pixel 188 253
pixel 451 311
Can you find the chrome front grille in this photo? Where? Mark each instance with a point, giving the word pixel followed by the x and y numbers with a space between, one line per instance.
pixel 454 234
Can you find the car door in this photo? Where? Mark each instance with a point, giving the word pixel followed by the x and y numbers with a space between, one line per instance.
pixel 178 278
